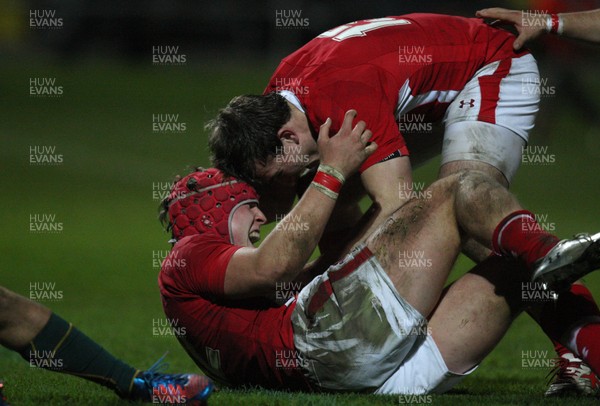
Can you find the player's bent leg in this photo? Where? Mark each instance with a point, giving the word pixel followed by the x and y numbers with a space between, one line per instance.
pixel 418 229
pixel 418 245
pixel 459 147
pixel 488 148
pixel 471 318
pixel 476 311
pixel 375 301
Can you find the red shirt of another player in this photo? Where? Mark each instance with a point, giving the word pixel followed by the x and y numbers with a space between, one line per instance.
pixel 236 342
pixel 386 67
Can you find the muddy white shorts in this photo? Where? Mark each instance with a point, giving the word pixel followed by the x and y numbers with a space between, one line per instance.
pixel 355 332
pixel 490 119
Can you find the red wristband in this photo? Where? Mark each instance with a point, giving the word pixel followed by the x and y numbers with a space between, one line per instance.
pixel 555 23
pixel 328 181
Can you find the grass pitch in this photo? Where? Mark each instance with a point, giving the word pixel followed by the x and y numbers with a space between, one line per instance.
pixel 105 191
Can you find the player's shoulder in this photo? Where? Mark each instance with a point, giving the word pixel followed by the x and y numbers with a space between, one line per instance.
pixel 201 245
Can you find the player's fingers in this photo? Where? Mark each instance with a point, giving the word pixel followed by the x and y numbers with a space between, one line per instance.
pixel 324 130
pixel 481 13
pixel 524 36
pixel 493 12
pixel 346 127
pixel 359 128
pixel 502 14
pixel 370 148
pixel 366 136
pixel 518 43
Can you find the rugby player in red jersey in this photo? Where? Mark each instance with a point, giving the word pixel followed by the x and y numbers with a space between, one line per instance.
pixel 369 323
pixel 434 68
pixel 454 70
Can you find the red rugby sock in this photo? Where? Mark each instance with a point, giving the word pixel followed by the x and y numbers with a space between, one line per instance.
pixel 587 340
pixel 560 349
pixel 520 235
pixel 588 345
pixel 565 320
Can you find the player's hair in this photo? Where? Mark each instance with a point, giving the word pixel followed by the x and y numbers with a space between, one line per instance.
pixel 244 133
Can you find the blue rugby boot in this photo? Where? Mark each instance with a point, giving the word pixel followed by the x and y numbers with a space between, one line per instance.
pixel 154 386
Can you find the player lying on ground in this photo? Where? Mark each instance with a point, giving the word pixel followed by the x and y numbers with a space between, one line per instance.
pixel 47 341
pixel 584 25
pixel 369 323
pixel 396 71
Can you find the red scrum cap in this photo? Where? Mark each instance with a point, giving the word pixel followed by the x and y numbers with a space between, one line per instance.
pixel 204 202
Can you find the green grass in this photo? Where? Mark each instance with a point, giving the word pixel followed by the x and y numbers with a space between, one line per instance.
pixel 102 193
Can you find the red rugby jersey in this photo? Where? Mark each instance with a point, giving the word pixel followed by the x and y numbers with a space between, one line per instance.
pixel 236 342
pixel 386 67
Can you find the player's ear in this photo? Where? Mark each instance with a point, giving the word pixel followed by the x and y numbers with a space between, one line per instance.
pixel 286 134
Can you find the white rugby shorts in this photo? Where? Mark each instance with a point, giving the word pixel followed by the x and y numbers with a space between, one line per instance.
pixel 356 333
pixel 489 120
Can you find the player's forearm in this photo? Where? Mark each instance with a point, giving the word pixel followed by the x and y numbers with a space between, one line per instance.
pixel 583 25
pixel 288 247
pixel 389 185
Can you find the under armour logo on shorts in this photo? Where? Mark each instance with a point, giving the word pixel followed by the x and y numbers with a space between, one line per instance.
pixel 470 103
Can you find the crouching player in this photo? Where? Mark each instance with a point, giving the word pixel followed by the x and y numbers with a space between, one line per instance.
pixel 367 323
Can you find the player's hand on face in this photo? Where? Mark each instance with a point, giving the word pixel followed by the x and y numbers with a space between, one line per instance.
pixel 528 25
pixel 349 148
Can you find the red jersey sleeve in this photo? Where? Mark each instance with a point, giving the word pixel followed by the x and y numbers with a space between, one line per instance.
pixel 200 264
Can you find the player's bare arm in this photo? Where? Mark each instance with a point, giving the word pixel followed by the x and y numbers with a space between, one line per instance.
pixel 396 175
pixel 282 255
pixel 583 25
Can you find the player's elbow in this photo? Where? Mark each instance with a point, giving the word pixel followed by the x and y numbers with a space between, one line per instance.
pixel 275 274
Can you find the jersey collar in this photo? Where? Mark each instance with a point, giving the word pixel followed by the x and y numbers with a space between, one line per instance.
pixel 291 97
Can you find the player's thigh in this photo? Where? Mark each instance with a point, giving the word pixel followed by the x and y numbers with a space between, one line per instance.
pixel 476 311
pixel 418 244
